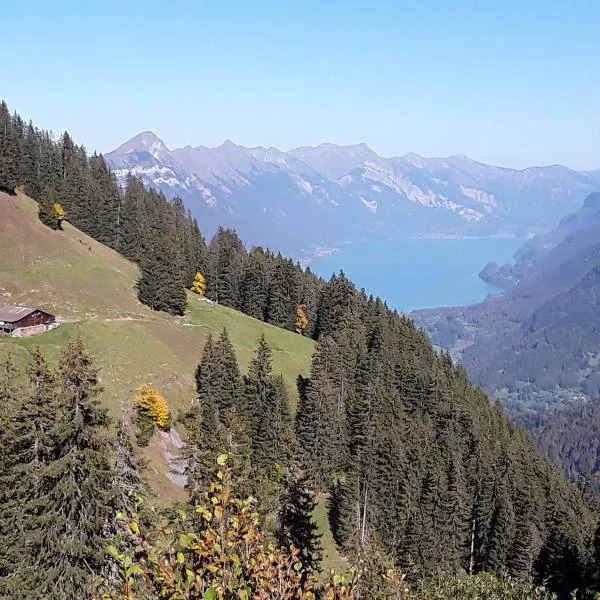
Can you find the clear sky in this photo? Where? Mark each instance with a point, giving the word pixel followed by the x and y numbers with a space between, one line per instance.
pixel 512 82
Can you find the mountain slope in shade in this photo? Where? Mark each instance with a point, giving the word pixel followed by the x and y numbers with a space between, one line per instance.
pixel 539 342
pixel 329 194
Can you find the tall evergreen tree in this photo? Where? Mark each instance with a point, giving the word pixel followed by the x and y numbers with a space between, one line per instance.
pixel 161 282
pixel 228 393
pixel 11 551
pixel 254 284
pixel 297 527
pixel 214 425
pixel 226 257
pixel 64 519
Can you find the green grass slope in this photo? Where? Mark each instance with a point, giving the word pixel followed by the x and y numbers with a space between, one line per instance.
pixel 93 288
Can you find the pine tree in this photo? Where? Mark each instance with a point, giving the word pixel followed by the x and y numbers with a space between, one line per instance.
pixel 254 284
pixel 228 392
pixel 211 426
pixel 560 564
pixel 271 444
pixel 161 283
pixel 226 257
pixel 107 203
pixel 29 447
pixel 321 416
pixel 129 227
pixel 9 151
pixel 127 480
pixel 521 557
pixel 297 527
pixel 257 384
pixel 128 487
pixel 283 295
pixel 64 520
pixel 12 550
pixel 501 530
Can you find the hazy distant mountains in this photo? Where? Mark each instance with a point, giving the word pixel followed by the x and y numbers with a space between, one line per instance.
pixel 328 194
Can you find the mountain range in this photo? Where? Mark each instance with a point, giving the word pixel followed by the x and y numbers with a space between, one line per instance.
pixel 323 196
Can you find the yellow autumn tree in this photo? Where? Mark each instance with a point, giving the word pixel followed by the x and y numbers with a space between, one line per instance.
pixel 152 408
pixel 301 318
pixel 59 212
pixel 199 285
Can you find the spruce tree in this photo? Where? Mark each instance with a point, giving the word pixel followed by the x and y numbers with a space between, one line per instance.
pixel 64 518
pixel 283 295
pixel 321 419
pixel 9 151
pixel 254 285
pixel 12 549
pixel 226 258
pixel 212 425
pixel 297 527
pixel 271 443
pixel 161 282
pixel 257 384
pixel 228 392
pixel 30 447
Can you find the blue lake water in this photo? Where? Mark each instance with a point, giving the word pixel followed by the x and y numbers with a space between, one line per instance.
pixel 420 273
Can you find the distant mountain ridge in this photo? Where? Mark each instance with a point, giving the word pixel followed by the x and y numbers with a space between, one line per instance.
pixel 330 194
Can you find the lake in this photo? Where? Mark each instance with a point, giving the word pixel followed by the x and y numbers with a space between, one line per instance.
pixel 420 273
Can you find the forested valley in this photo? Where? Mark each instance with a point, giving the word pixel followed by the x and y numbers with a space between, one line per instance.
pixel 431 491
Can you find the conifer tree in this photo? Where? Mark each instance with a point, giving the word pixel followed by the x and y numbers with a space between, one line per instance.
pixel 9 151
pixel 271 443
pixel 29 446
pixel 211 425
pixel 161 284
pixel 12 550
pixel 228 392
pixel 127 480
pixel 297 527
pixel 65 539
pixel 320 420
pixel 283 295
pixel 501 533
pixel 226 257
pixel 560 563
pixel 258 385
pixel 129 227
pixel 128 488
pixel 254 284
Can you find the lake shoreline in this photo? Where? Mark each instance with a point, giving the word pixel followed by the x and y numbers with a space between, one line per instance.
pixel 420 272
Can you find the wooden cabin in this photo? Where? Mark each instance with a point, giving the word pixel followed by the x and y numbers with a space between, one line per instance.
pixel 21 321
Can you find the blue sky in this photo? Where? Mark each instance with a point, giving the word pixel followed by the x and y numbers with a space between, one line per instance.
pixel 509 82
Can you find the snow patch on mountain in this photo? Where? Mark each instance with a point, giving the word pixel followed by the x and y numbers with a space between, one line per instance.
pixel 488 200
pixel 370 204
pixel 304 185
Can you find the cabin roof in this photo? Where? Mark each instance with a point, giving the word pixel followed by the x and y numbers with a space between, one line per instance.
pixel 12 314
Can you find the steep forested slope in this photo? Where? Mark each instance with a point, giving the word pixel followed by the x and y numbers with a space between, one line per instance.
pixel 541 336
pixel 570 436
